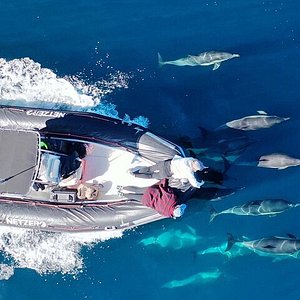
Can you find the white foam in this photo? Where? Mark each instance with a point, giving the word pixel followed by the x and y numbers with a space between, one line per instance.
pixel 24 82
pixel 24 79
pixel 6 271
pixel 47 252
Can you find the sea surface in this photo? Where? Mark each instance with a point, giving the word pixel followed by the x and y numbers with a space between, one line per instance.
pixel 101 56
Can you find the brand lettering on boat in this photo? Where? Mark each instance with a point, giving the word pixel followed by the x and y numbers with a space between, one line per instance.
pixel 23 223
pixel 45 113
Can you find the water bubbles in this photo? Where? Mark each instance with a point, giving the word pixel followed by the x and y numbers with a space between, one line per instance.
pixel 46 252
pixel 24 79
pixel 6 271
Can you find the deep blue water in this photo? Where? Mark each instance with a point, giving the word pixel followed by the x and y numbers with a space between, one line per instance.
pixel 102 42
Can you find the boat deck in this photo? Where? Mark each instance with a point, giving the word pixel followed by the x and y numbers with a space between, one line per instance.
pixel 108 167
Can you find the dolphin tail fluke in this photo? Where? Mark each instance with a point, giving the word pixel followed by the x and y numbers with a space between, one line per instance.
pixel 230 241
pixel 221 127
pixel 160 60
pixel 226 164
pixel 213 213
pixel 204 132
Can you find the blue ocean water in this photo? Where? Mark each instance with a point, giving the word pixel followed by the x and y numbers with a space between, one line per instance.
pixel 102 56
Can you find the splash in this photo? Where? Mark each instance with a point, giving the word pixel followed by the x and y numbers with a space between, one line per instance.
pixel 24 82
pixel 6 271
pixel 47 252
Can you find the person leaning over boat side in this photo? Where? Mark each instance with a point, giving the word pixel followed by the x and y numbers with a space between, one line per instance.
pixel 159 196
pixel 182 168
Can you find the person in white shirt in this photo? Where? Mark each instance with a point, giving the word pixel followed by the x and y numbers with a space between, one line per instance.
pixel 182 168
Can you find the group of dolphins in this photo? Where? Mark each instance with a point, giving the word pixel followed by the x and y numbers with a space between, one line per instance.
pixel 274 245
pixel 228 150
pixel 177 239
pixel 254 122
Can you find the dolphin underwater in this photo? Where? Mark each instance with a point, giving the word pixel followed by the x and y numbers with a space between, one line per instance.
pixel 277 161
pixel 270 207
pixel 230 149
pixel 213 193
pixel 262 120
pixel 203 59
pixel 274 245
pixel 202 277
pixel 235 251
pixel 173 239
pixel 216 145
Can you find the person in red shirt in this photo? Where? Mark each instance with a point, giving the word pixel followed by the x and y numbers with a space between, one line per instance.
pixel 159 196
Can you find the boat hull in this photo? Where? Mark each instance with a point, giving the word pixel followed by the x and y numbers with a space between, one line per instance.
pixel 84 127
pixel 76 218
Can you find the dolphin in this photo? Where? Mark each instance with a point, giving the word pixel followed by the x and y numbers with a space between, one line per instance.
pixel 221 141
pixel 203 59
pixel 277 161
pixel 215 144
pixel 173 239
pixel 213 193
pixel 262 120
pixel 235 251
pixel 202 277
pixel 270 207
pixel 274 245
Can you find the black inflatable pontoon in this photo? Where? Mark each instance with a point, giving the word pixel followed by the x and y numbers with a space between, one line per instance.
pixel 34 145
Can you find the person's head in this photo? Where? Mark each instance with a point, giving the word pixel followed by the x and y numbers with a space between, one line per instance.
pixel 211 175
pixel 179 210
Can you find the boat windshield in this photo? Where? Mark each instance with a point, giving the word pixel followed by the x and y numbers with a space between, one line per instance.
pixel 19 152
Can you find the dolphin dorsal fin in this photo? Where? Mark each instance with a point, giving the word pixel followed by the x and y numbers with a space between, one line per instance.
pixel 262 112
pixel 291 236
pixel 204 132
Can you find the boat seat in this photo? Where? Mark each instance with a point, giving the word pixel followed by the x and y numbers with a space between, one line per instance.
pixel 49 171
pixel 52 166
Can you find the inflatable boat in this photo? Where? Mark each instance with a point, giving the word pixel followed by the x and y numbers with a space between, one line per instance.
pixel 48 155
